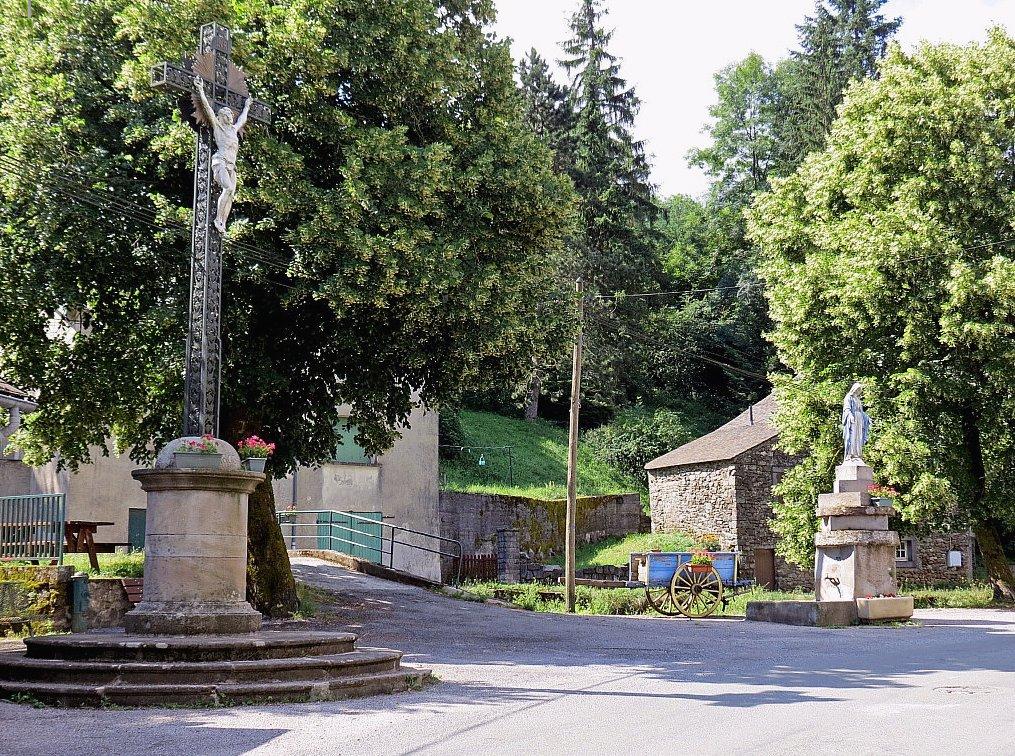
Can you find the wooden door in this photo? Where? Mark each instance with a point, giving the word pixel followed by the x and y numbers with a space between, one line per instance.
pixel 764 568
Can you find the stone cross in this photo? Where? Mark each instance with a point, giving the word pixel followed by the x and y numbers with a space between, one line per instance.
pixel 225 86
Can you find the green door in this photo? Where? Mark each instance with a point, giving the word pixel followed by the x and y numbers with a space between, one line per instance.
pixel 135 528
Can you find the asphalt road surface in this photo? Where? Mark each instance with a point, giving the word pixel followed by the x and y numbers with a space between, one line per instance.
pixel 517 682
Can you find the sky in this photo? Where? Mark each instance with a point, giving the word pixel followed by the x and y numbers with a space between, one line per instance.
pixel 671 49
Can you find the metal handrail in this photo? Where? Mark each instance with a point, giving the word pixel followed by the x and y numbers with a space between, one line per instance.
pixel 391 540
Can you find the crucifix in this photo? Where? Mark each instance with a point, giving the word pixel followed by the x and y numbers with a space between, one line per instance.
pixel 217 104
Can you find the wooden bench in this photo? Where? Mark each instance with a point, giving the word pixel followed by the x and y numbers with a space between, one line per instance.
pixel 134 588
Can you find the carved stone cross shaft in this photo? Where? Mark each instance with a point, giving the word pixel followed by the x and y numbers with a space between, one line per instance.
pixel 225 85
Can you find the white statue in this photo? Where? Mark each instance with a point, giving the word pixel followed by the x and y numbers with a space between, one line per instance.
pixel 227 144
pixel 856 424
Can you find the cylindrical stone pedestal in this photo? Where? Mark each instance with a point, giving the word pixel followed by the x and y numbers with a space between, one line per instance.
pixel 195 549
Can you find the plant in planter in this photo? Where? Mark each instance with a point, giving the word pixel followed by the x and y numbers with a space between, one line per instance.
pixel 198 454
pixel 709 542
pixel 882 495
pixel 700 562
pixel 254 452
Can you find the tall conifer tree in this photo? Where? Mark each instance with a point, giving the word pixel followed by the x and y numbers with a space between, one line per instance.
pixel 842 41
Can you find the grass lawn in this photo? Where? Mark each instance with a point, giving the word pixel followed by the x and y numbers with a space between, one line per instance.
pixel 618 550
pixel 110 565
pixel 537 464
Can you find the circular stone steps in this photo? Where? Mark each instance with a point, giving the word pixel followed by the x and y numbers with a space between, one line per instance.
pixel 94 669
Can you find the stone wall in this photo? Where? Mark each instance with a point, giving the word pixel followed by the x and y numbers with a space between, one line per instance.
pixel 107 602
pixel 757 470
pixel 929 564
pixel 48 591
pixel 474 519
pixel 731 499
pixel 694 499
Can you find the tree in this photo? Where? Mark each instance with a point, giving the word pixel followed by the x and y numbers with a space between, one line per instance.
pixel 397 211
pixel 614 247
pixel 844 40
pixel 886 260
pixel 742 132
pixel 548 115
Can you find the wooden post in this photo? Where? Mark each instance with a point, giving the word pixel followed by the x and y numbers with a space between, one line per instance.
pixel 572 452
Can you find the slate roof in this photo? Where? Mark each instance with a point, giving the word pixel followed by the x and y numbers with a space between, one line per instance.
pixel 14 392
pixel 726 441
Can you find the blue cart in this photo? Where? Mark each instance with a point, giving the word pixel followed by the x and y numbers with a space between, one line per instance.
pixel 675 586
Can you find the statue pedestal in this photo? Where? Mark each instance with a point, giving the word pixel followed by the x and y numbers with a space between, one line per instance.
pixel 195 571
pixel 855 550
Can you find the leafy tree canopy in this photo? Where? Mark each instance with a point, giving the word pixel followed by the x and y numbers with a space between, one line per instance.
pixel 886 259
pixel 399 205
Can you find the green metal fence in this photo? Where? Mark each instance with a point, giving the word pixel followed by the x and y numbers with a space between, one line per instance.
pixel 362 538
pixel 32 527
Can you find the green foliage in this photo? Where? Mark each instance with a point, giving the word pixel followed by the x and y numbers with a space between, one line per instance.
pixel 539 460
pixel 844 40
pixel 588 600
pixel 398 189
pixel 617 550
pixel 976 596
pixel 742 133
pixel 638 434
pixel 883 264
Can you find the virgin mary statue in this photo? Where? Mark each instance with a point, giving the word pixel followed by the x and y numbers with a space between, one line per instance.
pixel 856 424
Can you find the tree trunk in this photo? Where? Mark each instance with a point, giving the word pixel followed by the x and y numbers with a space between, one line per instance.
pixel 271 587
pixel 532 397
pixel 998 569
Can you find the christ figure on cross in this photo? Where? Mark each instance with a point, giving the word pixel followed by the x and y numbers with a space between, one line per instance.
pixel 227 144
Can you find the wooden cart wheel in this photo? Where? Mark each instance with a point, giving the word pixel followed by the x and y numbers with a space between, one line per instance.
pixel 696 594
pixel 660 597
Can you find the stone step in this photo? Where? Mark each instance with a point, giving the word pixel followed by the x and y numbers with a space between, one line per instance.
pixel 122 647
pixel 14 667
pixel 70 694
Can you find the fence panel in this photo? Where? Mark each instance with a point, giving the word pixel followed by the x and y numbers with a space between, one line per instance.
pixel 32 527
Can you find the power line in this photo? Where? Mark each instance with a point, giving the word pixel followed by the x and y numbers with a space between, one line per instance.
pixel 692 355
pixel 132 211
pixel 643 294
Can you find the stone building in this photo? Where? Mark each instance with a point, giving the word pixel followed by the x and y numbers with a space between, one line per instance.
pixel 722 483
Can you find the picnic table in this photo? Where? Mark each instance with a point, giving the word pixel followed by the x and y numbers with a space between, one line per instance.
pixel 79 536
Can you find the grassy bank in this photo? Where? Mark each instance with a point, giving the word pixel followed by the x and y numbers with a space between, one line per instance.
pixel 536 466
pixel 618 550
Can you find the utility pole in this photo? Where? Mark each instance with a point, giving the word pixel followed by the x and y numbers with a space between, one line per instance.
pixel 572 450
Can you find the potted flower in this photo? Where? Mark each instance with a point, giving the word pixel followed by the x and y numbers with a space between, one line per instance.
pixel 709 542
pixel 700 562
pixel 883 496
pixel 198 454
pixel 254 452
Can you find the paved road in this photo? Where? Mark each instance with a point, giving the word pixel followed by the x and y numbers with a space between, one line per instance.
pixel 518 682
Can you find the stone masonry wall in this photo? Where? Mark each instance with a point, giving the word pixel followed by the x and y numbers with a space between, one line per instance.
pixel 694 499
pixel 474 519
pixel 929 563
pixel 759 469
pixel 107 602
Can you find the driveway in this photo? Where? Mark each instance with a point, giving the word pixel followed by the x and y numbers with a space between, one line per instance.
pixel 518 682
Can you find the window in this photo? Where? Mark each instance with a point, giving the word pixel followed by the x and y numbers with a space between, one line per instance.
pixel 904 551
pixel 349 452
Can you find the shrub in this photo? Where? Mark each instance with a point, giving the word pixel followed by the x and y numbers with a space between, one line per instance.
pixel 638 435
